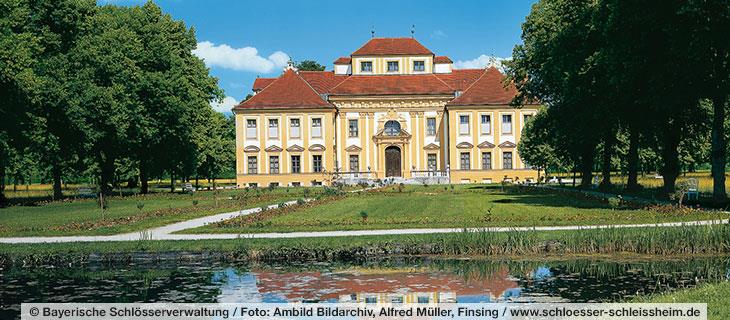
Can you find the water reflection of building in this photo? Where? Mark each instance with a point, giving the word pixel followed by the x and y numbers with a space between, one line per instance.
pixel 371 287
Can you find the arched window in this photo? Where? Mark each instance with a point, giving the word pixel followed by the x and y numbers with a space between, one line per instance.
pixel 392 128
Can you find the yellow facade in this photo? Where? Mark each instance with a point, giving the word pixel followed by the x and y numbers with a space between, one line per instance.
pixel 284 145
pixel 369 136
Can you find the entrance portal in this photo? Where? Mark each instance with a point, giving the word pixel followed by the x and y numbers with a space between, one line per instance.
pixel 392 162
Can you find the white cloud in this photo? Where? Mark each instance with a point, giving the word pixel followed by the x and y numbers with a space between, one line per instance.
pixel 225 106
pixel 438 34
pixel 481 62
pixel 241 59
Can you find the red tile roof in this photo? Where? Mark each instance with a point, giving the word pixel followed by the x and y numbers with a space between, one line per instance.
pixel 343 60
pixel 391 46
pixel 392 84
pixel 487 90
pixel 442 59
pixel 460 79
pixel 287 91
pixel 261 83
pixel 322 81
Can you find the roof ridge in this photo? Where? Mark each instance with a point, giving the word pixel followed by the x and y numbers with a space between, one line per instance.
pixel 442 81
pixel 310 86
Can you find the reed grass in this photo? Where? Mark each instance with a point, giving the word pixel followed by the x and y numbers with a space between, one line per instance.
pixel 669 241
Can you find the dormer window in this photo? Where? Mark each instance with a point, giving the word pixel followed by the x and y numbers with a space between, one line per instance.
pixel 419 66
pixel 392 66
pixel 366 66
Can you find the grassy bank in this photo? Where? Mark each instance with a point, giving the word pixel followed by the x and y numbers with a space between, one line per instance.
pixel 134 213
pixel 679 241
pixel 716 295
pixel 454 206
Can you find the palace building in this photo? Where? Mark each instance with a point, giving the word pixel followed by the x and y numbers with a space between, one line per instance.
pixel 393 111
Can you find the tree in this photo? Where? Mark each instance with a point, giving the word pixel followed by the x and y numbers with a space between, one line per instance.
pixel 309 65
pixel 535 147
pixel 217 147
pixel 19 48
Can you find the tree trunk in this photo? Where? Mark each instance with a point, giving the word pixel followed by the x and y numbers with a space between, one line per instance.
pixel 719 148
pixel 56 172
pixel 633 157
pixel 172 182
pixel 144 184
pixel 574 173
pixel 586 169
pixel 670 157
pixel 107 175
pixel 608 143
pixel 3 199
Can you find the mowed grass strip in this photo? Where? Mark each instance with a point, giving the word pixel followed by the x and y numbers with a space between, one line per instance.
pixel 453 207
pixel 133 213
pixel 716 295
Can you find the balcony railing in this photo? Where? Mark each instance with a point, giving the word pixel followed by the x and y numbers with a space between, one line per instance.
pixel 429 173
pixel 355 175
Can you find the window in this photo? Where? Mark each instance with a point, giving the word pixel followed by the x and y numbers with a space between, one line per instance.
pixel 392 66
pixel 251 128
pixel 273 128
pixel 465 161
pixel 354 163
pixel 294 128
pixel 296 164
pixel 353 128
pixel 316 163
pixel 253 166
pixel 296 184
pixel 274 164
pixel 432 161
pixel 431 126
pixel 371 299
pixel 317 127
pixel 486 160
pixel 506 123
pixel 423 299
pixel 486 124
pixel 507 160
pixel 253 185
pixel 463 124
pixel 526 118
pixel 366 66
pixel 392 128
pixel 419 66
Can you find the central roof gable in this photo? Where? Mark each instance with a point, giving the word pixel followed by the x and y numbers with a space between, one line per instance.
pixel 392 85
pixel 392 46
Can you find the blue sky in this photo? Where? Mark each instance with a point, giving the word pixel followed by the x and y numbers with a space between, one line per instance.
pixel 241 40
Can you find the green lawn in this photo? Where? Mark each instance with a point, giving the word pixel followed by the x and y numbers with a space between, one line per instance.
pixel 444 206
pixel 84 217
pixel 717 297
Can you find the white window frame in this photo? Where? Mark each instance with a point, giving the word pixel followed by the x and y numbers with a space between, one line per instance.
pixel 349 128
pixel 485 129
pixel 312 127
pixel 295 133
pixel 372 66
pixel 273 131
pixel 423 63
pixel 252 132
pixel 397 65
pixel 463 128
pixel 511 123
pixel 435 126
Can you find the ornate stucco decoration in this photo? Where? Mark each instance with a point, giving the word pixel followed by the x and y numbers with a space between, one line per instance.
pixel 251 148
pixel 295 148
pixel 431 146
pixel 316 147
pixel 353 148
pixel 507 144
pixel 273 148
pixel 485 145
pixel 464 145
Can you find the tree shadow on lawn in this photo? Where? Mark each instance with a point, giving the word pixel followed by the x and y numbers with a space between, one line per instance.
pixel 512 194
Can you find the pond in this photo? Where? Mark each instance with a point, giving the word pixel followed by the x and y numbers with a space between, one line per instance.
pixel 392 280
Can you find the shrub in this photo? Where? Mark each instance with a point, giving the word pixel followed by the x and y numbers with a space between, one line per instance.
pixel 364 215
pixel 140 205
pixel 614 202
pixel 300 201
pixel 195 202
pixel 400 187
pixel 282 205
